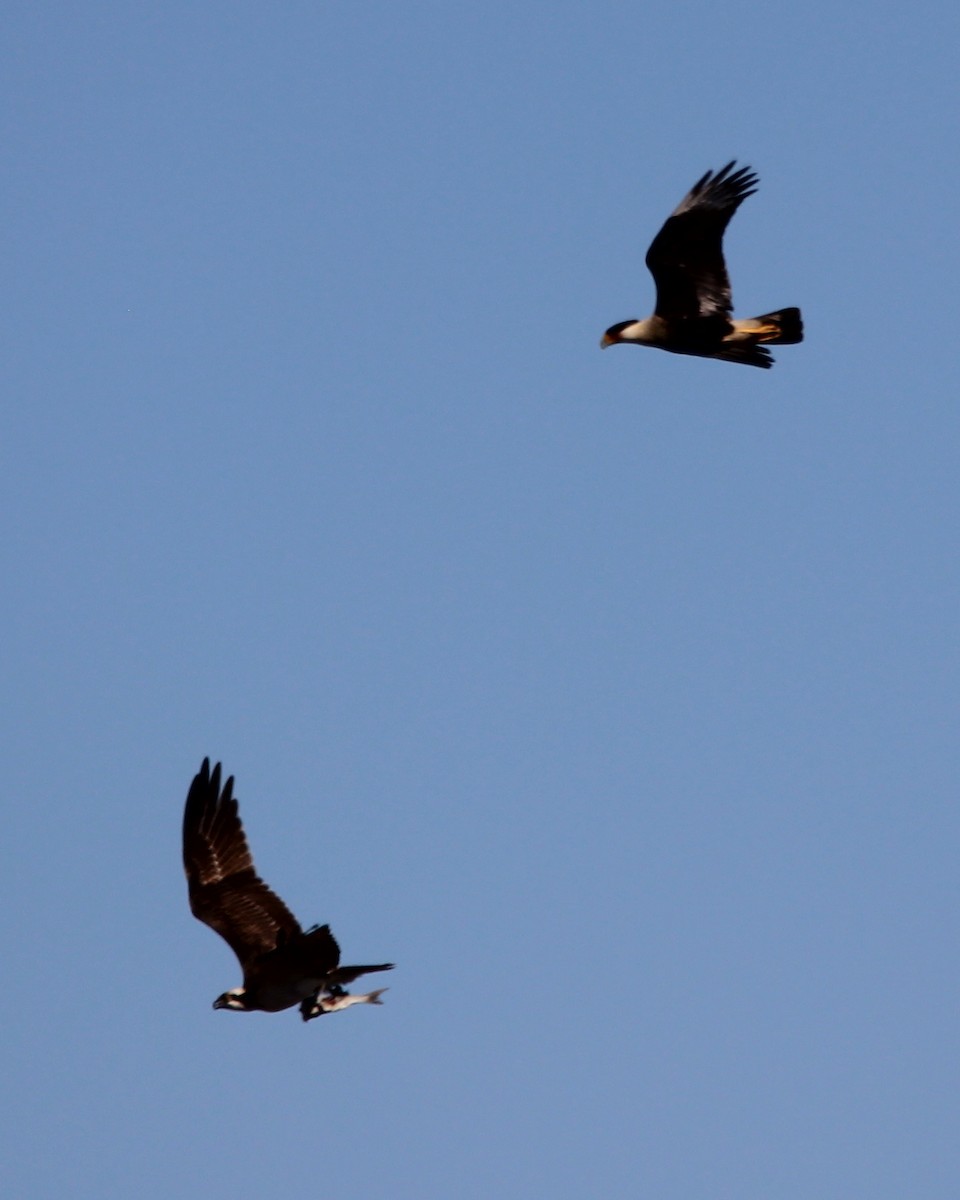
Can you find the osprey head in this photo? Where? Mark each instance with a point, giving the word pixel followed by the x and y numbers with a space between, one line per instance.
pixel 236 999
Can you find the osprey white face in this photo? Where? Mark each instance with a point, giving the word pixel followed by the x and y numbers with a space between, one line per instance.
pixel 234 999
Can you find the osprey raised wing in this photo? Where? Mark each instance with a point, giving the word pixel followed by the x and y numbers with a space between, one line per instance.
pixel 282 965
pixel 694 302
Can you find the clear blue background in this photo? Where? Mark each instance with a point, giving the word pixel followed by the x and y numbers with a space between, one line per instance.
pixel 613 696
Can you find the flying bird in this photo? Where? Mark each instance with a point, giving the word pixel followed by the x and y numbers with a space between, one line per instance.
pixel 282 965
pixel 694 302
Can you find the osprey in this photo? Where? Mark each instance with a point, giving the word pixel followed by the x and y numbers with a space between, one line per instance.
pixel 694 302
pixel 282 964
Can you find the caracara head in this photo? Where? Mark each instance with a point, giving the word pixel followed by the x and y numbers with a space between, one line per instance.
pixel 235 999
pixel 616 334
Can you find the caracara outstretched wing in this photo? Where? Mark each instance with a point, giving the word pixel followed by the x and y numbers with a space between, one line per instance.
pixel 226 893
pixel 686 256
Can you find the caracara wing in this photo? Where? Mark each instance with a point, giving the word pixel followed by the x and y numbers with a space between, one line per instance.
pixel 225 891
pixel 686 256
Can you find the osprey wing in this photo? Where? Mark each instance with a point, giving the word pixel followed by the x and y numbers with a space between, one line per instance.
pixel 225 891
pixel 686 256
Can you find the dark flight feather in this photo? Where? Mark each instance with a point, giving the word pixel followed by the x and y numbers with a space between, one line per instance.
pixel 225 891
pixel 686 256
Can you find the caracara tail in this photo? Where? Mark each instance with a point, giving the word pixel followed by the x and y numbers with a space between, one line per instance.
pixel 782 328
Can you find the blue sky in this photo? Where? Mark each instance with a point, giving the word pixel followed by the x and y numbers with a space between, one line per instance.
pixel 612 695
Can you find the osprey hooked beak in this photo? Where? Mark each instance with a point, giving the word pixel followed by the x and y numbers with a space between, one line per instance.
pixel 232 1000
